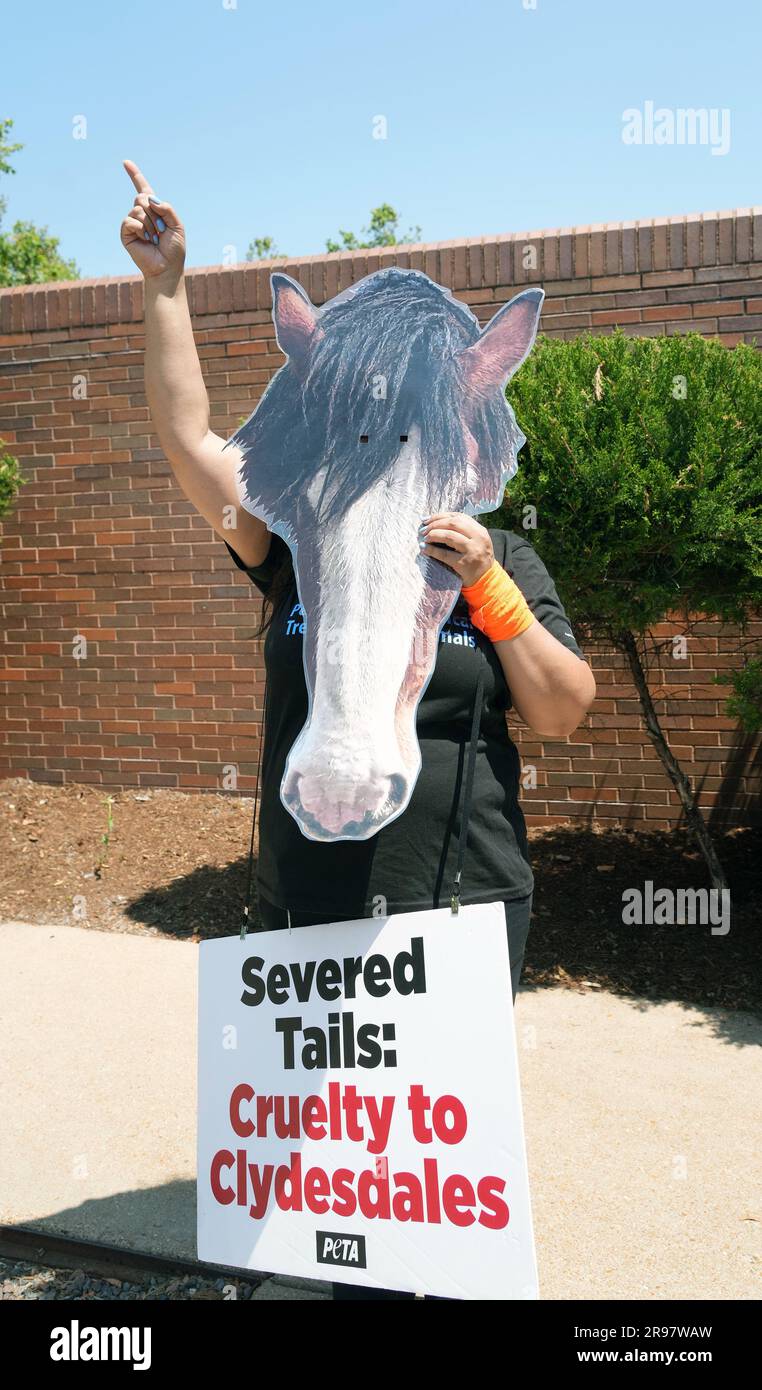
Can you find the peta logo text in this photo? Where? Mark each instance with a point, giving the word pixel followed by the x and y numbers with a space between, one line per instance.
pixel 334 1249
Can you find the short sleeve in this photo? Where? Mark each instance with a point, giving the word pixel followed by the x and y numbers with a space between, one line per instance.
pixel 529 573
pixel 262 575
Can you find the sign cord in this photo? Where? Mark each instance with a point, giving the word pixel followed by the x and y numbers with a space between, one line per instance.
pixel 468 790
pixel 250 871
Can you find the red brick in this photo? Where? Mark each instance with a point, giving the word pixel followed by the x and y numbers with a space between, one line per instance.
pixel 677 256
pixel 598 266
pixel 725 239
pixel 617 316
pixel 603 283
pixel 582 252
pixel 659 278
pixel 724 306
pixel 666 311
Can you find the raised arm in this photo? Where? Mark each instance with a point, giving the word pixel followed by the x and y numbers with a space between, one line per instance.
pixel 154 236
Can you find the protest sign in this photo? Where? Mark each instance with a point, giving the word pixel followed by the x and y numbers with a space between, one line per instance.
pixel 359 1106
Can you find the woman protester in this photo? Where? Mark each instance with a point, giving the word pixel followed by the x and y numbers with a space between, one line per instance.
pixel 508 637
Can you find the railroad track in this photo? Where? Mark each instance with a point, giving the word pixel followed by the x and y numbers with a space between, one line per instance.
pixel 108 1261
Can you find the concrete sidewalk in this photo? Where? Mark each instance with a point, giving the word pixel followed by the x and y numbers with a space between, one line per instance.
pixel 642 1119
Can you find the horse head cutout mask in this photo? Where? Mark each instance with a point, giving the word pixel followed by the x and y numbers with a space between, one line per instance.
pixel 390 408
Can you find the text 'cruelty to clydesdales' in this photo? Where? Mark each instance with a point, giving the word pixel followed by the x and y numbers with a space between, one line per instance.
pixel 375 1192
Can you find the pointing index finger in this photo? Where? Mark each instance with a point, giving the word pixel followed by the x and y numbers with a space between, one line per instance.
pixel 139 179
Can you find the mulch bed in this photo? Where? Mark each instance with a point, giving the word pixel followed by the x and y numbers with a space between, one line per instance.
pixel 174 864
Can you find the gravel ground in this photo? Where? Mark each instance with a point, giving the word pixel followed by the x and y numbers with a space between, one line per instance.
pixel 20 1280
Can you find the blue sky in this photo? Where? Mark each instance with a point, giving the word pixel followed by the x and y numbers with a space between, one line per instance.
pixel 257 119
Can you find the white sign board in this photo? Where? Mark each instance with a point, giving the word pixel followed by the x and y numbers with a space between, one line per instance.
pixel 359 1107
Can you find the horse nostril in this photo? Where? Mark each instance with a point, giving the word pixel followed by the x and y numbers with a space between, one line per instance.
pixel 345 813
pixel 363 438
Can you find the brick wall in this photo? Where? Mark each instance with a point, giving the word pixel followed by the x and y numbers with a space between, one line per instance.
pixel 102 544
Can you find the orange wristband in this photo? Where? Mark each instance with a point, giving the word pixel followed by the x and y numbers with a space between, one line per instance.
pixel 497 606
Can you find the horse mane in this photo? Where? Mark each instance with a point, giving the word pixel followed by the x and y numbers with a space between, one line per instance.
pixel 400 327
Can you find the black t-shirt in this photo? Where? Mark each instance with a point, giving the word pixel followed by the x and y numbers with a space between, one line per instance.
pixel 409 863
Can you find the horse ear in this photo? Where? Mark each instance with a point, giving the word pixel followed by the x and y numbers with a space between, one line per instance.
pixel 504 344
pixel 296 321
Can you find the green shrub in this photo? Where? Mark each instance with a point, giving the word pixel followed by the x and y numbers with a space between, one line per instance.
pixel 10 480
pixel 643 463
